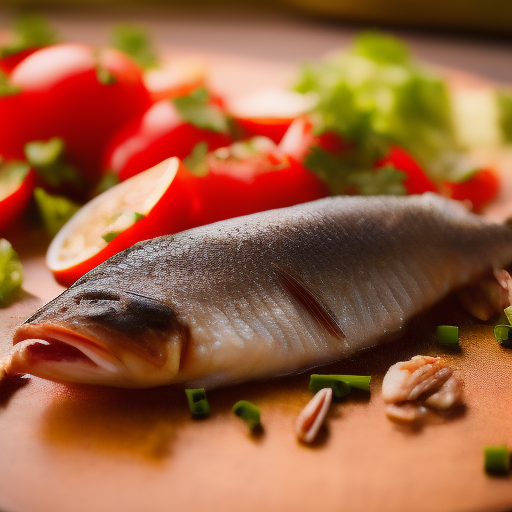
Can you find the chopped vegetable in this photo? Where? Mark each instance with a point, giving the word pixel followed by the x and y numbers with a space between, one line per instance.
pixel 55 210
pixel 197 402
pixel 503 335
pixel 135 42
pixel 48 159
pixel 196 162
pixel 197 109
pixel 496 459
pixel 249 412
pixel 338 385
pixel 11 271
pixel 508 314
pixel 447 335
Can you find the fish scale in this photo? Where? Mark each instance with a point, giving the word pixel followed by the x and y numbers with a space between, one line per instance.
pixel 262 295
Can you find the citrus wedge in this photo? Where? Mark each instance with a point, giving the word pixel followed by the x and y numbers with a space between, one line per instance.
pixel 155 202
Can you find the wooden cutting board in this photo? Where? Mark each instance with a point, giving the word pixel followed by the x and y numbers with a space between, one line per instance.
pixel 84 449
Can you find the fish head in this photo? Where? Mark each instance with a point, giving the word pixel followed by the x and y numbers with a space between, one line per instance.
pixel 99 333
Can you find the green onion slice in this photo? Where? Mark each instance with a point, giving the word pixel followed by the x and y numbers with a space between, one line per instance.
pixel 508 313
pixel 496 459
pixel 447 335
pixel 198 402
pixel 249 412
pixel 11 271
pixel 503 335
pixel 55 210
pixel 119 223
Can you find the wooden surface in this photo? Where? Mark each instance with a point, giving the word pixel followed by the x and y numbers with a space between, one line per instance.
pixel 78 448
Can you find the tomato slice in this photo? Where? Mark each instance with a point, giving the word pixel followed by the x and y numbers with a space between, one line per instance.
pixel 269 112
pixel 480 189
pixel 159 201
pixel 416 180
pixel 17 182
pixel 158 134
pixel 77 93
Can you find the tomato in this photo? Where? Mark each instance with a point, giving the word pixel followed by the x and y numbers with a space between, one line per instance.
pixel 261 179
pixel 159 133
pixel 480 189
pixel 17 182
pixel 8 63
pixel 162 195
pixel 75 92
pixel 416 181
pixel 268 113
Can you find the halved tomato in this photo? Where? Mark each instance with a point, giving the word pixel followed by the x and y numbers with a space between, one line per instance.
pixel 153 203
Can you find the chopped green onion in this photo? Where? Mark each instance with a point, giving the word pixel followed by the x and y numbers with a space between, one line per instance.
pixel 135 42
pixel 340 387
pixel 503 335
pixel 447 335
pixel 11 271
pixel 55 210
pixel 508 313
pixel 198 402
pixel 496 459
pixel 48 159
pixel 119 223
pixel 249 412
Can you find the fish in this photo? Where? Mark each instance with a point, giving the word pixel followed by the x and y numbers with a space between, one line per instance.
pixel 259 296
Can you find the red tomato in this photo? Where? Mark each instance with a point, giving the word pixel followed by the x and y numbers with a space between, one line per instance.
pixel 416 181
pixel 158 134
pixel 261 180
pixel 7 64
pixel 17 182
pixel 480 189
pixel 62 96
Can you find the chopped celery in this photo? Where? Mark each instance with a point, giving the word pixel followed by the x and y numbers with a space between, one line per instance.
pixel 249 412
pixel 11 271
pixel 197 402
pixel 55 210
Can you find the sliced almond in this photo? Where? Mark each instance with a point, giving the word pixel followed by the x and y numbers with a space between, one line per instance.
pixel 313 415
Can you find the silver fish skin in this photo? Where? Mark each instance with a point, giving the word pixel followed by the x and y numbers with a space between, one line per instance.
pixel 262 295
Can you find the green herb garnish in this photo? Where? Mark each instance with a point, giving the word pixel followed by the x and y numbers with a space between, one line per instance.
pixel 48 158
pixel 503 335
pixel 196 162
pixel 196 109
pixel 197 402
pixel 249 412
pixel 11 272
pixel 340 384
pixel 496 460
pixel 55 210
pixel 135 42
pixel 30 31
pixel 447 335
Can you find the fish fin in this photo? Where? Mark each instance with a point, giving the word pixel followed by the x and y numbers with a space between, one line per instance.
pixel 310 301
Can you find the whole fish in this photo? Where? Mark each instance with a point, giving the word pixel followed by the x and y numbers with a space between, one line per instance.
pixel 262 295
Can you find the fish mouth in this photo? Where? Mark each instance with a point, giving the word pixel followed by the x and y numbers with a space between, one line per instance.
pixel 57 353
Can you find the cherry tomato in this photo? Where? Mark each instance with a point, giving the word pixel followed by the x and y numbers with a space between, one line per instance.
pixel 158 134
pixel 75 92
pixel 262 179
pixel 7 64
pixel 481 188
pixel 416 181
pixel 268 113
pixel 17 182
